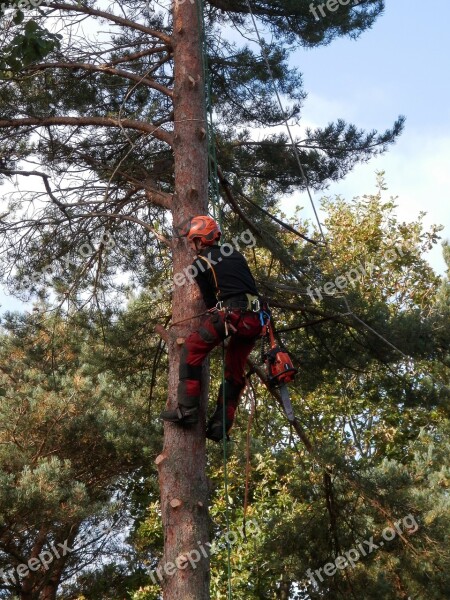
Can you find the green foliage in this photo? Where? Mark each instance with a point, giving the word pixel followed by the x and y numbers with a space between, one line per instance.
pixel 34 44
pixel 73 440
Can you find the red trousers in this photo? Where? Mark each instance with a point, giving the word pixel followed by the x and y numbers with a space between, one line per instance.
pixel 244 328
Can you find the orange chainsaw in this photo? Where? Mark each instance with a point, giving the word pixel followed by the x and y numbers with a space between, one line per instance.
pixel 280 370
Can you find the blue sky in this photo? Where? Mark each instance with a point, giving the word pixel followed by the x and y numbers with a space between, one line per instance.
pixel 398 67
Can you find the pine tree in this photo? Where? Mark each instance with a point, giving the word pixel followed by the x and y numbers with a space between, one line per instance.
pixel 74 435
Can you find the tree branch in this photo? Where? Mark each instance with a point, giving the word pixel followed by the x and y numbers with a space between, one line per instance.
pixel 104 69
pixel 144 224
pixel 300 145
pixel 45 179
pixel 279 221
pixel 232 7
pixel 114 18
pixel 136 55
pixel 163 333
pixel 160 134
pixel 155 196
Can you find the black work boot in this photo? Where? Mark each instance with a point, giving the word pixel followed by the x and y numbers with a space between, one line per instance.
pixel 182 415
pixel 214 427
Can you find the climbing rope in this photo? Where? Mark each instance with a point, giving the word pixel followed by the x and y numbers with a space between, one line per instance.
pixel 217 214
pixel 212 155
pixel 225 473
pixel 247 455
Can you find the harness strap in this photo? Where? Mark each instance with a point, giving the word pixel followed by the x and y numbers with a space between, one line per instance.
pixel 247 302
pixel 213 272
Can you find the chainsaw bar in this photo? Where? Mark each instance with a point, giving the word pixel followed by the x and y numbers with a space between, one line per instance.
pixel 285 399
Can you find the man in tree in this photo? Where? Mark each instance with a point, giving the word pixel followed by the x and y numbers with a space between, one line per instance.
pixel 229 292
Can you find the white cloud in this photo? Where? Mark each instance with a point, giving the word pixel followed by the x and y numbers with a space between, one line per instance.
pixel 416 170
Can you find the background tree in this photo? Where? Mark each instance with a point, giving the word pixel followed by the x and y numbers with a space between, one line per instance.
pixel 73 438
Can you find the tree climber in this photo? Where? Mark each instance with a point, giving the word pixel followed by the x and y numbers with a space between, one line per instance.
pixel 229 292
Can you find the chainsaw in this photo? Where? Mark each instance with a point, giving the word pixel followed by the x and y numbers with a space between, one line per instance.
pixel 280 370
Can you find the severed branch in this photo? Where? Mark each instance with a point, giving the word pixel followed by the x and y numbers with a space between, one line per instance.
pixel 163 333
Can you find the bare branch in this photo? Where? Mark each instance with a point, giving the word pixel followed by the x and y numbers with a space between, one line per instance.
pixel 163 333
pixel 45 179
pixel 157 132
pixel 136 55
pixel 114 18
pixel 105 69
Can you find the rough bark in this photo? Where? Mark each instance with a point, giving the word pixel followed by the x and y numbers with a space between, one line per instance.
pixel 44 584
pixel 182 478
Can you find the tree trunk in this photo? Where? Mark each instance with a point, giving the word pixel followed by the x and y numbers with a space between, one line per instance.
pixel 182 478
pixel 285 589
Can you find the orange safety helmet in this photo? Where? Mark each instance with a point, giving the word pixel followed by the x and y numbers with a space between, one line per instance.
pixel 203 228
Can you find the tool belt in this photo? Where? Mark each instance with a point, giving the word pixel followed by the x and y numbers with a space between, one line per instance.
pixel 246 302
